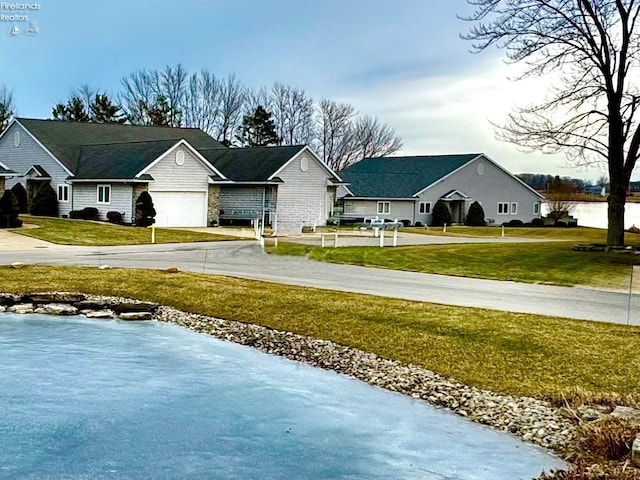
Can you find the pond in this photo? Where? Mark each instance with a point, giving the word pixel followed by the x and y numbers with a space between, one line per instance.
pixel 109 399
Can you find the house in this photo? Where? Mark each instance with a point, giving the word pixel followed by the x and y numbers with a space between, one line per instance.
pixel 187 173
pixel 285 187
pixel 407 188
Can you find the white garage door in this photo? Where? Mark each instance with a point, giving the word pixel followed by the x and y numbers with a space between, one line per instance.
pixel 180 209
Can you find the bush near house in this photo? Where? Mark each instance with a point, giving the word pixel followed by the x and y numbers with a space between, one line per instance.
pixel 21 196
pixel 441 214
pixel 9 211
pixel 87 213
pixel 45 202
pixel 115 217
pixel 475 217
pixel 145 212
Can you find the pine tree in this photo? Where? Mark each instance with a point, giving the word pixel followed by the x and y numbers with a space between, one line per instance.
pixel 21 196
pixel 103 110
pixel 145 212
pixel 74 111
pixel 9 210
pixel 45 203
pixel 475 217
pixel 441 214
pixel 258 129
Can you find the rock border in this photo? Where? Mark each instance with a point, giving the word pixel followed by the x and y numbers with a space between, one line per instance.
pixel 533 420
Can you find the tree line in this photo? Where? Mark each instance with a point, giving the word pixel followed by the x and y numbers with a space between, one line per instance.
pixel 231 112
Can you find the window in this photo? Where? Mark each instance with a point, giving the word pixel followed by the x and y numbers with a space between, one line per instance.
pixel 63 193
pixel 503 208
pixel 104 193
pixel 536 209
pixel 304 164
pixel 16 139
pixel 425 207
pixel 514 208
pixel 384 208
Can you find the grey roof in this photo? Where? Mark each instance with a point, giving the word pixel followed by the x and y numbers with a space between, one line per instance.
pixel 118 160
pixel 400 177
pixel 250 164
pixel 40 171
pixel 65 140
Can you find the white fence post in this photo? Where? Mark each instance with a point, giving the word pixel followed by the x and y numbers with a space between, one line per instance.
pixel 395 237
pixel 381 237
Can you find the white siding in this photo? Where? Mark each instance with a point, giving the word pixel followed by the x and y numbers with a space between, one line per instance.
pixel 302 198
pixel 86 195
pixel 489 189
pixel 27 154
pixel 167 175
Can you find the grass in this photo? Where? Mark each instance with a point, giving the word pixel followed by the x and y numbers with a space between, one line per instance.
pixel 515 353
pixel 82 232
pixel 577 234
pixel 554 263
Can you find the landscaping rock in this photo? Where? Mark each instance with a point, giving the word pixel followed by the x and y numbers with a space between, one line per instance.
pixel 57 309
pixel 104 267
pixel 627 413
pixel 56 297
pixel 135 316
pixel 7 299
pixel 635 452
pixel 2 308
pixel 172 270
pixel 17 265
pixel 101 304
pixel 124 307
pixel 21 308
pixel 98 313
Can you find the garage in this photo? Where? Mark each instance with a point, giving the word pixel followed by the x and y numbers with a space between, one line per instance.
pixel 180 209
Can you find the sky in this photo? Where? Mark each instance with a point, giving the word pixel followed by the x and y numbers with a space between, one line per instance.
pixel 402 61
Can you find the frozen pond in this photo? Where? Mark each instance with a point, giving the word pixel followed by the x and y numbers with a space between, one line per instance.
pixel 594 214
pixel 110 399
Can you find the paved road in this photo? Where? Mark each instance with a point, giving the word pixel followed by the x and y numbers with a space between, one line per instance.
pixel 247 260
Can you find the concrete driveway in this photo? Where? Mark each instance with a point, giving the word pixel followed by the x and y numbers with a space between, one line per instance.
pixel 15 241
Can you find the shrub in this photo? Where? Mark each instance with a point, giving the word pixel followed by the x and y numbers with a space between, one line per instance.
pixel 419 224
pixel 115 217
pixel 513 223
pixel 537 222
pixel 475 217
pixel 45 202
pixel 559 223
pixel 145 212
pixel 634 229
pixel 441 214
pixel 9 210
pixel 405 223
pixel 87 213
pixel 21 195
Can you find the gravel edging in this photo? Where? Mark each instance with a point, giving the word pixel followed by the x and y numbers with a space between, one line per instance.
pixel 531 419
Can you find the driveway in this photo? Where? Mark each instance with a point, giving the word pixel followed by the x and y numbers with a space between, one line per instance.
pixel 247 260
pixel 14 241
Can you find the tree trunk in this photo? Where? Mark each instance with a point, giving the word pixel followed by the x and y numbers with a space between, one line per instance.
pixel 616 201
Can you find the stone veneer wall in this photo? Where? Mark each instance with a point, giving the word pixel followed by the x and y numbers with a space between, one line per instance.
pixel 2 187
pixel 213 206
pixel 136 190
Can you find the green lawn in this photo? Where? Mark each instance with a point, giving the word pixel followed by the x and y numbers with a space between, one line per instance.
pixel 577 234
pixel 82 232
pixel 545 262
pixel 506 352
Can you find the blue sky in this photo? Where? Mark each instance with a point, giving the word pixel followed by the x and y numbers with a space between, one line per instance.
pixel 400 60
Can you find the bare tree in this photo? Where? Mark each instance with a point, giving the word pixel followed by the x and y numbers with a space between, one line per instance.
pixel 7 106
pixel 335 133
pixel 591 113
pixel 374 139
pixel 138 94
pixel 231 108
pixel 171 83
pixel 293 113
pixel 203 101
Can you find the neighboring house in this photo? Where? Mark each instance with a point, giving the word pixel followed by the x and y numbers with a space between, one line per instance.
pixel 407 188
pixel 284 187
pixel 187 173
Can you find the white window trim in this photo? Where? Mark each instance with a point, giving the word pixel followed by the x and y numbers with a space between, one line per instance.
pixel 63 186
pixel 106 187
pixel 514 208
pixel 420 208
pixel 381 211
pixel 505 211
